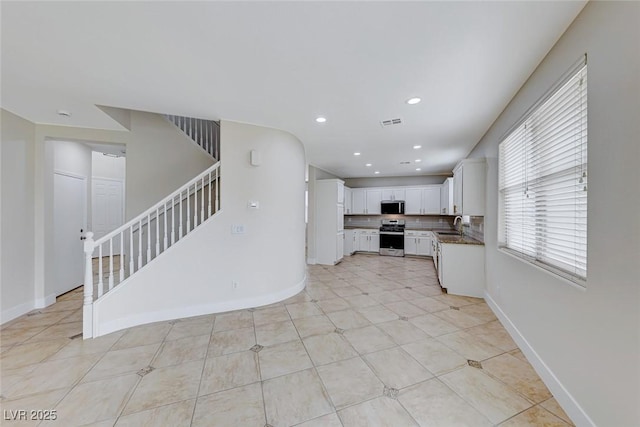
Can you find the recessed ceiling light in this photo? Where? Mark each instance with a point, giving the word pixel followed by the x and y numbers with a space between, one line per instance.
pixel 416 147
pixel 413 101
pixel 321 119
pixel 418 169
pixel 368 165
pixel 356 154
pixel 64 113
pixel 377 172
pixel 418 160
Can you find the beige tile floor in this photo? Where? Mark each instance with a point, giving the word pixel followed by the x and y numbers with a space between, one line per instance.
pixel 370 342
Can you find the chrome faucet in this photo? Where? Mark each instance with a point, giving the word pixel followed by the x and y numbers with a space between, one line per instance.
pixel 455 220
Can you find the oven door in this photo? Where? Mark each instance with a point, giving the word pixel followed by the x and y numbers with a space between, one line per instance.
pixel 392 243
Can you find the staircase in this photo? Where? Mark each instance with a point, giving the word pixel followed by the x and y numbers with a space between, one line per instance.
pixel 120 254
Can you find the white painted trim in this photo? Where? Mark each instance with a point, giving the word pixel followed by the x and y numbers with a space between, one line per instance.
pixel 561 394
pixel 311 261
pixel 197 310
pixel 22 309
pixel 16 311
pixel 46 301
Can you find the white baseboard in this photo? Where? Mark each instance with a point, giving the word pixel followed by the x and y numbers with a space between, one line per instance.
pixel 562 395
pixel 46 301
pixel 198 310
pixel 21 309
pixel 311 261
pixel 16 311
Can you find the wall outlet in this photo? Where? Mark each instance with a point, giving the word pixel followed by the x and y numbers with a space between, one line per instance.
pixel 234 284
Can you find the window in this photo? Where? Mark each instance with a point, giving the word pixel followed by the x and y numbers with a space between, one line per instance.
pixel 543 181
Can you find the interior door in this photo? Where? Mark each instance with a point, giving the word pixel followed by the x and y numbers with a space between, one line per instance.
pixel 69 217
pixel 107 207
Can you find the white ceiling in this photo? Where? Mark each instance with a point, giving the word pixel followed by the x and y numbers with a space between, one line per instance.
pixel 282 64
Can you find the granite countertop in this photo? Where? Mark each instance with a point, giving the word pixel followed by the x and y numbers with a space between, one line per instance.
pixel 457 239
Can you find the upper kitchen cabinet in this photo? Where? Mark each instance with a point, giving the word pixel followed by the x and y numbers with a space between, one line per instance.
pixel 329 221
pixel 393 194
pixel 348 207
pixel 469 187
pixel 422 200
pixel 365 201
pixel 446 197
pixel 374 197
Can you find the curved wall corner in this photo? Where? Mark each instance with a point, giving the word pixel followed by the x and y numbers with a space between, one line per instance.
pixel 212 269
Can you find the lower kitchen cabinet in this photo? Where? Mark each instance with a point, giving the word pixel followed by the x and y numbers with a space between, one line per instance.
pixel 368 240
pixel 418 243
pixel 461 268
pixel 340 246
pixel 350 242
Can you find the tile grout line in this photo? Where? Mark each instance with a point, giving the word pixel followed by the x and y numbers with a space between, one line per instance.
pixel 204 364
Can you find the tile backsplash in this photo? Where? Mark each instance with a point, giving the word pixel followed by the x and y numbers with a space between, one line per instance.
pixel 411 221
pixel 475 229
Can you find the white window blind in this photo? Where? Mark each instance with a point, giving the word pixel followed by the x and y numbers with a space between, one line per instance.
pixel 543 182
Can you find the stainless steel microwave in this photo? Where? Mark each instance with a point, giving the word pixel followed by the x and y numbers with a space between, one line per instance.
pixel 392 207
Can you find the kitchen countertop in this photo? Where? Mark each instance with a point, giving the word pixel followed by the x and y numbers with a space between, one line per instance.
pixel 457 239
pixel 454 239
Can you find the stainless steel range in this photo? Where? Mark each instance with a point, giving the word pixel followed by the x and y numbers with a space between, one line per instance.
pixel 392 237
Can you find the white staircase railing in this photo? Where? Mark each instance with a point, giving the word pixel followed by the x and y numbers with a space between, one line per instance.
pixel 127 249
pixel 205 133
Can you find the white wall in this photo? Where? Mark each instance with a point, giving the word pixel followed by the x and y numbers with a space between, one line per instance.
pixel 585 343
pixel 267 262
pixel 160 159
pixel 17 294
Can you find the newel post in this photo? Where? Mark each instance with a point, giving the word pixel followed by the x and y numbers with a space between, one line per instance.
pixel 87 308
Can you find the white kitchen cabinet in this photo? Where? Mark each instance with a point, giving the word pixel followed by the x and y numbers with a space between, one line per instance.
pixel 413 201
pixel 347 201
pixel 393 194
pixel 329 221
pixel 469 187
pixel 358 201
pixel 424 245
pixel 446 197
pixel 365 201
pixel 340 245
pixel 461 269
pixel 368 240
pixel 423 200
pixel 349 242
pixel 431 200
pixel 418 243
pixel 373 199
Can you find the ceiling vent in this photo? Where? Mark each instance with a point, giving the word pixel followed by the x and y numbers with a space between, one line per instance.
pixel 390 122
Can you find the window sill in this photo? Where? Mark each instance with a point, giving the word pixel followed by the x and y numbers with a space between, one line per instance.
pixel 556 274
